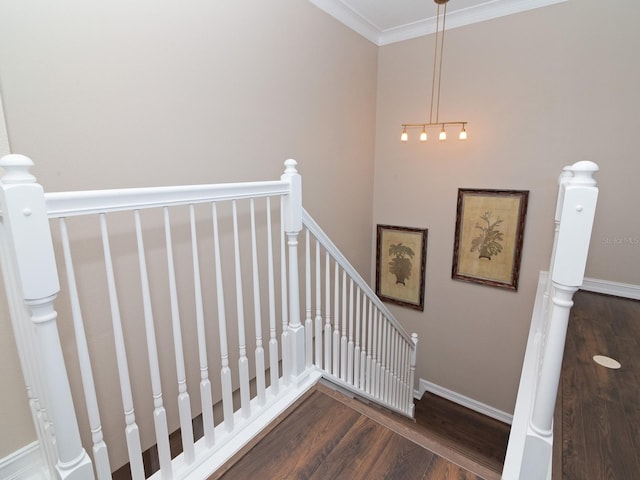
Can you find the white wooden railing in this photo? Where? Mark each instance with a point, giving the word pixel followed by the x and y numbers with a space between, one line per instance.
pixel 530 448
pixel 358 344
pixel 161 280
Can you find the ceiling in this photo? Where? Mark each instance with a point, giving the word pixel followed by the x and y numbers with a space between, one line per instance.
pixel 389 21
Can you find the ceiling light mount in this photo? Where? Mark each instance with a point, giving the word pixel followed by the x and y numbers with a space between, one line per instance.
pixel 435 93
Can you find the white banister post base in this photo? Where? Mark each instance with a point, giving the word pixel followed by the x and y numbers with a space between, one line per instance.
pixel 80 469
pixel 297 351
pixel 536 464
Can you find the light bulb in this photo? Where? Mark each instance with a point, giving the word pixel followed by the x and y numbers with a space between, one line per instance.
pixel 463 133
pixel 404 137
pixel 443 134
pixel 423 135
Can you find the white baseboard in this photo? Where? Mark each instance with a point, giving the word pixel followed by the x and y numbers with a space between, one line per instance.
pixel 426 386
pixel 24 464
pixel 611 288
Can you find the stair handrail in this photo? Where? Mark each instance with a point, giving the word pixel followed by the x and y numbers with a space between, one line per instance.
pixel 337 255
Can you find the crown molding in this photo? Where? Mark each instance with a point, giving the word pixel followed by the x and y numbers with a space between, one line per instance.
pixel 456 18
pixel 351 18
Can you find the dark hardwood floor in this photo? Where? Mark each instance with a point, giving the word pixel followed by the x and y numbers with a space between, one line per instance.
pixel 325 438
pixel 597 425
pixel 475 437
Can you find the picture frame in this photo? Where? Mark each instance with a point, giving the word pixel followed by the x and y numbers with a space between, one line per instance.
pixel 401 259
pixel 488 238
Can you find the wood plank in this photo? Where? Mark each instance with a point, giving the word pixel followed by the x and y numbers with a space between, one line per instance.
pixel 354 455
pixel 299 443
pixel 476 437
pixel 401 459
pixel 440 469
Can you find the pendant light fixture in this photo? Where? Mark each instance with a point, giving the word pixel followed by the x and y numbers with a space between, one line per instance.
pixel 435 95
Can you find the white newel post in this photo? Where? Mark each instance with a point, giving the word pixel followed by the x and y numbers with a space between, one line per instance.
pixel 27 227
pixel 292 226
pixel 567 275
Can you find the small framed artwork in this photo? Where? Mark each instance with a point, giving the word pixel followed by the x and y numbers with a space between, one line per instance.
pixel 489 231
pixel 401 258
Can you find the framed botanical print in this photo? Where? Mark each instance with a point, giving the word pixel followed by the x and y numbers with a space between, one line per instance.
pixel 488 240
pixel 401 256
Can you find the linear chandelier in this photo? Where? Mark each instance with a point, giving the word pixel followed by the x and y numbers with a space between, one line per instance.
pixel 437 66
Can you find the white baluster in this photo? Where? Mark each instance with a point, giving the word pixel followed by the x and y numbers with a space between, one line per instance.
pixel 184 402
pixel 383 358
pixel 225 371
pixel 318 319
pixel 396 370
pixel 243 361
pixel 402 360
pixel 406 364
pixel 286 350
pixel 206 399
pixel 375 366
pixel 389 378
pixel 343 338
pixel 132 433
pixel 260 367
pixel 273 341
pixel 380 356
pixel 336 321
pixel 159 413
pixel 384 369
pixel 100 453
pixel 350 343
pixel 370 365
pixel 393 377
pixel 308 323
pixel 391 366
pixel 356 351
pixel 327 315
pixel 363 351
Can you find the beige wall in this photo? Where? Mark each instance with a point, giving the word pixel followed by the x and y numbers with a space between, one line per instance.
pixel 540 90
pixel 153 93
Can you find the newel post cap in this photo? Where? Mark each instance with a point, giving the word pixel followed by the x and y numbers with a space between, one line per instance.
pixel 290 166
pixel 583 172
pixel 16 169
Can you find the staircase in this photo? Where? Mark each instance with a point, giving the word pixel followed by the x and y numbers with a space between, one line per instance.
pixel 136 310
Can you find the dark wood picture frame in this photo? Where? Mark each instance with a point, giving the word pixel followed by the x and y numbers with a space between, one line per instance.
pixel 489 232
pixel 401 259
